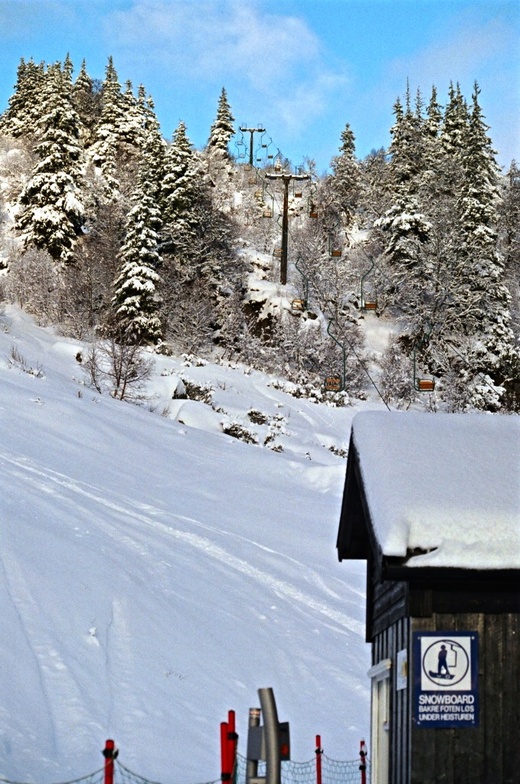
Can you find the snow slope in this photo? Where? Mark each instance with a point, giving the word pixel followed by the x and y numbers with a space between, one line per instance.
pixel 155 572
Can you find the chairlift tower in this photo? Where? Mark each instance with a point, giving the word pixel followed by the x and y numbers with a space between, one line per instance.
pixel 251 132
pixel 286 179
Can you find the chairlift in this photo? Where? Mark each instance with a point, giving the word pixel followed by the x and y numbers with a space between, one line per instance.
pixel 277 252
pixel 421 384
pixel 298 195
pixel 267 213
pixel 298 305
pixel 369 304
pixel 425 385
pixel 313 212
pixel 332 384
pixel 336 253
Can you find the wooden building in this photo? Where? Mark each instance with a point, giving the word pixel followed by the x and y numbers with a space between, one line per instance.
pixel 432 503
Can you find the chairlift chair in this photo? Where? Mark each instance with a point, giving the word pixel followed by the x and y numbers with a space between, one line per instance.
pixel 298 305
pixel 336 253
pixel 425 385
pixel 277 252
pixel 332 384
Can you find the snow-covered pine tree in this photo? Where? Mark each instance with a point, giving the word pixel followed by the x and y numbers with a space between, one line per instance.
pixel 86 103
pixel 136 302
pixel 118 135
pixel 181 191
pixel 24 106
pixel 345 183
pixel 405 225
pixel 222 129
pixel 52 212
pixel 154 146
pixel 510 238
pixel 491 349
pixel 455 123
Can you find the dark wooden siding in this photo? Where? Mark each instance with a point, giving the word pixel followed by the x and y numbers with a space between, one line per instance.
pixel 386 645
pixel 490 753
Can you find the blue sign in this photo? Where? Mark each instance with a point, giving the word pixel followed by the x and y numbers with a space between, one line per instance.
pixel 445 679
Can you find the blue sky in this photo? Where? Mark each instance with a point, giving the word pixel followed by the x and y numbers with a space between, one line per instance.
pixel 302 68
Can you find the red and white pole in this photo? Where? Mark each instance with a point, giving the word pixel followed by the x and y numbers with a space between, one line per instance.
pixel 319 752
pixel 110 753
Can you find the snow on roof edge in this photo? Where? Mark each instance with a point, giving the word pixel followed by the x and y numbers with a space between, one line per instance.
pixel 445 486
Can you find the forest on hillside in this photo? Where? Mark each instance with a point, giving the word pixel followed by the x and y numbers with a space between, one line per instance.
pixel 134 243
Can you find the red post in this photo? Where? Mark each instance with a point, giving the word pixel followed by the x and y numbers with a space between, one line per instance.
pixel 225 772
pixel 110 753
pixel 319 752
pixel 232 742
pixel 363 761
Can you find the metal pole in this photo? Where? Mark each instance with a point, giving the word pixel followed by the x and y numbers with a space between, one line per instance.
pixel 273 767
pixel 251 132
pixel 252 765
pixel 285 218
pixel 285 231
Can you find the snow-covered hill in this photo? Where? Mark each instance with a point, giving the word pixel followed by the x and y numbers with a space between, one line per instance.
pixel 156 571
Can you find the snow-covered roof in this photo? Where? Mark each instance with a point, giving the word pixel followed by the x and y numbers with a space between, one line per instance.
pixel 441 490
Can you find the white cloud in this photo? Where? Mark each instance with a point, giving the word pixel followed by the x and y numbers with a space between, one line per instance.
pixel 273 61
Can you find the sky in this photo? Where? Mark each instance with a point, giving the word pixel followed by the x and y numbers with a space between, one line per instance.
pixel 302 69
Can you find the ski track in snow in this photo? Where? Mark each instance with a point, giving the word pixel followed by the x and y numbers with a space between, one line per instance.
pixel 43 479
pixel 62 696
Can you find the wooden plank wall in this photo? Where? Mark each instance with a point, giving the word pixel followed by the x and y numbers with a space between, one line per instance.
pixel 386 646
pixel 490 753
pixel 390 634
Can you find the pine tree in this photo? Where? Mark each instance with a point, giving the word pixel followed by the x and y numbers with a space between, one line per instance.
pixel 455 125
pixel 407 147
pixel 24 110
pixel 86 103
pixel 136 301
pixel 107 136
pixel 406 226
pixel 154 146
pixel 53 214
pixel 345 184
pixel 491 350
pixel 181 193
pixel 222 129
